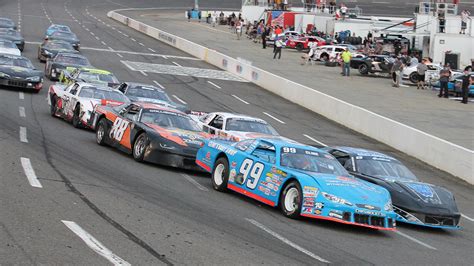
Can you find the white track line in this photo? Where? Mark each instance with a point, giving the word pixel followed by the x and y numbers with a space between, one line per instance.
pixel 141 44
pixel 315 140
pixel 21 110
pixel 467 217
pixel 286 241
pixel 177 98
pixel 133 39
pixel 176 63
pixel 214 84
pixel 119 55
pixel 238 98
pixel 194 182
pixel 30 172
pixel 158 84
pixel 105 44
pixel 23 137
pixel 151 50
pixel 95 244
pixel 21 95
pixel 143 73
pixel 274 118
pixel 415 240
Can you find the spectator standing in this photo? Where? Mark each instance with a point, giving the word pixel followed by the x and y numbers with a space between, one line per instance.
pixel 214 19
pixel 466 82
pixel 238 29
pixel 278 46
pixel 343 11
pixel 442 21
pixel 421 69
pixel 266 31
pixel 444 76
pixel 346 60
pixel 464 18
pixel 396 70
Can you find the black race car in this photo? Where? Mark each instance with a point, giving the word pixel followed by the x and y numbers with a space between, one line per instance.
pixel 7 23
pixel 414 202
pixel 49 49
pixel 62 61
pixel 138 92
pixel 373 64
pixel 18 71
pixel 14 36
pixel 150 132
pixel 64 36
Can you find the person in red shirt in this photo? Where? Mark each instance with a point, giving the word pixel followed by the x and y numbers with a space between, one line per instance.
pixel 278 30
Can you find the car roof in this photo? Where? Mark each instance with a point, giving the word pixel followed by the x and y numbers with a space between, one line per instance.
pixel 143 85
pixel 226 115
pixel 69 54
pixel 154 106
pixel 99 87
pixel 363 152
pixel 282 141
pixel 95 70
pixel 15 56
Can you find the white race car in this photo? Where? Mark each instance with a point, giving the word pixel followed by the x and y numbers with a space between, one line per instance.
pixel 8 47
pixel 431 75
pixel 332 52
pixel 75 102
pixel 235 127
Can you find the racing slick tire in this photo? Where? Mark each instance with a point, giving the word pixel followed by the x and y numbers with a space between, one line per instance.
pixel 364 69
pixel 220 174
pixel 413 77
pixel 101 131
pixel 76 121
pixel 53 108
pixel 291 199
pixel 324 58
pixel 139 147
pixel 299 47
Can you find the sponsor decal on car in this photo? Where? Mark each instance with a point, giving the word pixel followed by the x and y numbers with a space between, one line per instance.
pixel 310 191
pixel 319 205
pixel 317 212
pixel 373 213
pixel 264 190
pixel 308 202
pixel 223 148
pixel 232 175
pixel 335 214
pixel 307 210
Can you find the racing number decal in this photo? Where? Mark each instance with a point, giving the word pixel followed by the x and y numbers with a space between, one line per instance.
pixel 251 171
pixel 118 129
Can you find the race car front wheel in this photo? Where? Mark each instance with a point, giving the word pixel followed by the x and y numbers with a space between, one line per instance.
pixel 101 131
pixel 139 147
pixel 220 174
pixel 363 69
pixel 290 200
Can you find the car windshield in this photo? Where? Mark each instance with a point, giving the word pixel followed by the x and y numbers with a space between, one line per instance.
pixel 7 44
pixel 384 168
pixel 9 32
pixel 59 45
pixel 98 77
pixel 147 92
pixel 169 120
pixel 249 125
pixel 16 61
pixel 96 93
pixel 62 34
pixel 312 161
pixel 72 60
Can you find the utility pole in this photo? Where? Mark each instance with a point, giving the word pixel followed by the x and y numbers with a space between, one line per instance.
pixel 196 4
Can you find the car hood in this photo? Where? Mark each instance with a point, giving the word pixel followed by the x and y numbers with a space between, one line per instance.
pixel 64 39
pixel 181 137
pixel 12 38
pixel 62 65
pixel 418 196
pixel 352 189
pixel 55 51
pixel 13 51
pixel 20 72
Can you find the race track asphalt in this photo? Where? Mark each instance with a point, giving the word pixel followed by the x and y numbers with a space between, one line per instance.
pixel 146 214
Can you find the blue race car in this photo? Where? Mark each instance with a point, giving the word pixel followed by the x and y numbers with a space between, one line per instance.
pixel 301 180
pixel 56 27
pixel 454 85
pixel 414 202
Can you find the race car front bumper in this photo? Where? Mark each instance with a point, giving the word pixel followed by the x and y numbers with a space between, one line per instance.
pixel 21 83
pixel 428 220
pixel 181 158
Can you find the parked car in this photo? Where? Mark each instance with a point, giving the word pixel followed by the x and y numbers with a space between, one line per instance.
pixel 302 43
pixel 373 64
pixel 331 52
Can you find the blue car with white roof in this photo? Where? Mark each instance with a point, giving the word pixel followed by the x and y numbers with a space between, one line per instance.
pixel 414 202
pixel 301 180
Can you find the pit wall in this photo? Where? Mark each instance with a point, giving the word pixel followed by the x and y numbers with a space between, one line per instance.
pixel 449 157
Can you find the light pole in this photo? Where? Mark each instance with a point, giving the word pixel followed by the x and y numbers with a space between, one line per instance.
pixel 196 4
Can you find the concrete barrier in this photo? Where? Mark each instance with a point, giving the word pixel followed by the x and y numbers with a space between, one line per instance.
pixel 447 156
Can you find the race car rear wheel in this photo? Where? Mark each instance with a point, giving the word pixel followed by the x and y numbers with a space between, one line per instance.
pixel 363 69
pixel 299 47
pixel 220 174
pixel 139 147
pixel 100 132
pixel 76 121
pixel 53 107
pixel 290 200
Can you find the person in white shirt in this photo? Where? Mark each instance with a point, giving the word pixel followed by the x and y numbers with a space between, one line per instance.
pixel 464 18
